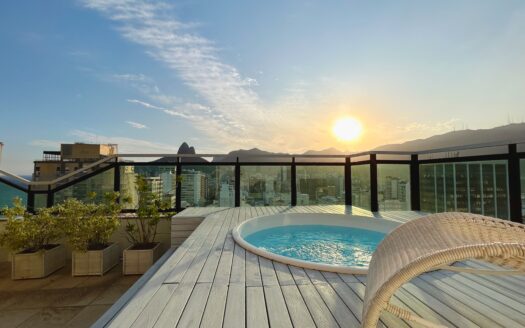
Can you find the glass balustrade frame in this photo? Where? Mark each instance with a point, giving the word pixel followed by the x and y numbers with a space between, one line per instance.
pixel 514 163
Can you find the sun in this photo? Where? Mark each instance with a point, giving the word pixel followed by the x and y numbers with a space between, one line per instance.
pixel 347 129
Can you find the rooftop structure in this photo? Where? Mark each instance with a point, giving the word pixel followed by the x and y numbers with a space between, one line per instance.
pixel 70 158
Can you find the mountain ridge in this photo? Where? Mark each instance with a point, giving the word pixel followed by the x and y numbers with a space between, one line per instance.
pixel 507 133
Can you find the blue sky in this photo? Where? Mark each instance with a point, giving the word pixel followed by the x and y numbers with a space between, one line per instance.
pixel 224 75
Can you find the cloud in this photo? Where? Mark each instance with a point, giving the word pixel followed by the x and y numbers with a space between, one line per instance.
pixel 45 143
pixel 125 144
pixel 145 104
pixel 434 127
pixel 231 101
pixel 131 77
pixel 137 125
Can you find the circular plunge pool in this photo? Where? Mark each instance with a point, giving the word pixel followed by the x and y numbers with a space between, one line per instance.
pixel 329 242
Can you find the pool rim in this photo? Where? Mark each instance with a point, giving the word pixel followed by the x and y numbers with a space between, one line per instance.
pixel 237 236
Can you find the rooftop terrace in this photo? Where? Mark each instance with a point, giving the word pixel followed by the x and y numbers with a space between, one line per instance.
pixel 210 281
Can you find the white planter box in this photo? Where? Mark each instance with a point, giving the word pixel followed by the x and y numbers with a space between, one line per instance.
pixel 39 264
pixel 95 263
pixel 138 261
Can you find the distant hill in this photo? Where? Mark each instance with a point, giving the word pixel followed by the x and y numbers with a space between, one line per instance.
pixel 327 151
pixel 186 150
pixel 251 155
pixel 511 132
pixel 506 133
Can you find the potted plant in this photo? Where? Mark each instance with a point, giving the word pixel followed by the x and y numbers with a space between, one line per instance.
pixel 88 228
pixel 141 230
pixel 33 240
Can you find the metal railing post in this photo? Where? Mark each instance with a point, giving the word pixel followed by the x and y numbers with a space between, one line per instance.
pixel 116 179
pixel 293 180
pixel 30 200
pixel 374 204
pixel 178 186
pixel 237 183
pixel 415 199
pixel 514 184
pixel 50 197
pixel 348 182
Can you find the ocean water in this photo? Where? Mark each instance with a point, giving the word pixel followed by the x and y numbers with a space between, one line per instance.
pixel 7 193
pixel 319 243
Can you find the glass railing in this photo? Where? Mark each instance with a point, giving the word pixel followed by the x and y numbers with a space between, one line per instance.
pixel 393 187
pixel 361 186
pixel 320 185
pixel 522 179
pixel 475 187
pixel 96 185
pixel 160 179
pixel 40 201
pixel 265 185
pixel 207 185
pixel 488 184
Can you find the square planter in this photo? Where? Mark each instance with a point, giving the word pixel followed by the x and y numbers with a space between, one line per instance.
pixel 38 264
pixel 95 262
pixel 138 261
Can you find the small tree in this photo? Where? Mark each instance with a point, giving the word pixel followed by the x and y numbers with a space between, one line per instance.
pixel 28 232
pixel 89 226
pixel 142 229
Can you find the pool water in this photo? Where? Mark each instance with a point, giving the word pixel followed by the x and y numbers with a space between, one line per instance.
pixel 333 245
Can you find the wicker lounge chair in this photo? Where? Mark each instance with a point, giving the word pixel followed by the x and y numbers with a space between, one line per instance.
pixel 436 242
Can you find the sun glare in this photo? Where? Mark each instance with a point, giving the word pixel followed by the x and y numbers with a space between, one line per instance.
pixel 347 129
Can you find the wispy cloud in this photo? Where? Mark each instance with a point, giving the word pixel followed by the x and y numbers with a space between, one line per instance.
pixel 45 143
pixel 136 125
pixel 145 104
pixel 126 145
pixel 235 106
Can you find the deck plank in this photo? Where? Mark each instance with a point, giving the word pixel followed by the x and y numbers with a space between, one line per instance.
pixel 213 315
pixel 256 313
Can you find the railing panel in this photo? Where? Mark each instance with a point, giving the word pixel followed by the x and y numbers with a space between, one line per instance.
pixel 40 201
pixel 393 182
pixel 207 185
pixel 265 185
pixel 475 187
pixel 8 193
pixel 522 179
pixel 82 190
pixel 161 180
pixel 361 186
pixel 318 185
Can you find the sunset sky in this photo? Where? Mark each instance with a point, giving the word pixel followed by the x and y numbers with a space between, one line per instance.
pixel 276 75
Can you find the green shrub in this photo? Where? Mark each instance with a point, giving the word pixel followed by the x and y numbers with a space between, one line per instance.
pixel 29 232
pixel 89 226
pixel 141 230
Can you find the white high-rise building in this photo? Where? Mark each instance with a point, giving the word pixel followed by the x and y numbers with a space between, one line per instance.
pixel 226 195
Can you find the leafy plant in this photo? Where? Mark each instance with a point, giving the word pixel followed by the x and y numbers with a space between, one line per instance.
pixel 29 232
pixel 141 229
pixel 89 226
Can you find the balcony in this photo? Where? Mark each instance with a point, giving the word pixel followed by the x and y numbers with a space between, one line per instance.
pixel 483 179
pixel 206 278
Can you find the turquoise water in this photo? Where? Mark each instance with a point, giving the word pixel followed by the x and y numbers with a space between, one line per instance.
pixel 7 193
pixel 319 243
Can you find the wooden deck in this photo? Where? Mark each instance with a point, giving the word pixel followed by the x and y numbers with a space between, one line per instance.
pixel 209 281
